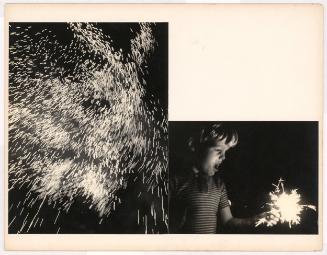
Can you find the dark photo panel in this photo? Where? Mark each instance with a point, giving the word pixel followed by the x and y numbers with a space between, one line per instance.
pixel 88 129
pixel 253 177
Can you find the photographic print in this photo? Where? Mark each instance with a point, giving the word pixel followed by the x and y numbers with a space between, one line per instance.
pixel 243 177
pixel 94 162
pixel 88 134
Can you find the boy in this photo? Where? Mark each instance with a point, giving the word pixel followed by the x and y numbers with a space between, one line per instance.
pixel 198 196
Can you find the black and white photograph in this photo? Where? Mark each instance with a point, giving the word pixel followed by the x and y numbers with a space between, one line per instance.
pixel 163 127
pixel 88 131
pixel 252 177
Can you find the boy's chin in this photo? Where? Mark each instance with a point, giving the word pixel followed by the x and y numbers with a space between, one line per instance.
pixel 216 169
pixel 212 173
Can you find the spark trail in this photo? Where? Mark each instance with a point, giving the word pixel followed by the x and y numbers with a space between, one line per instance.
pixel 81 123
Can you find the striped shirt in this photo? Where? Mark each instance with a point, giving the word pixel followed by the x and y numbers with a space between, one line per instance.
pixel 199 204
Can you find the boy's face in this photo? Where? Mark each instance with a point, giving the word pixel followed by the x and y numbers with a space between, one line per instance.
pixel 212 158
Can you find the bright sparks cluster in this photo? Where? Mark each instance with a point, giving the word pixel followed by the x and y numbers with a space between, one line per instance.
pixel 286 205
pixel 85 127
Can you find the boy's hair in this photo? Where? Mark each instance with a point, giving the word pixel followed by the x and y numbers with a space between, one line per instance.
pixel 210 135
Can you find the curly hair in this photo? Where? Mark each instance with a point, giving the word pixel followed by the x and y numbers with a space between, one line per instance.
pixel 210 135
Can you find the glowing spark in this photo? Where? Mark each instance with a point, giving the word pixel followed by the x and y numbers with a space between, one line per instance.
pixel 286 205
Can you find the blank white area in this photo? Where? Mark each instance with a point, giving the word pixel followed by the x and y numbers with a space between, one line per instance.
pixel 250 62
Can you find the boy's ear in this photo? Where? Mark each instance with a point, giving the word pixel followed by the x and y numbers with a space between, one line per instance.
pixel 190 144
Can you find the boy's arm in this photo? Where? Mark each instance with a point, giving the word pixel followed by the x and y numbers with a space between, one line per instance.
pixel 226 216
pixel 228 220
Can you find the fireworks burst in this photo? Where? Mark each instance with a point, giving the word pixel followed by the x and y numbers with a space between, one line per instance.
pixel 81 124
pixel 286 205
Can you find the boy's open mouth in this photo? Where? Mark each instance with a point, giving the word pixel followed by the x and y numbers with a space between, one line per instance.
pixel 217 164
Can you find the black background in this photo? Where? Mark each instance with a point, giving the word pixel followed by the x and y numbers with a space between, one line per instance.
pixel 265 152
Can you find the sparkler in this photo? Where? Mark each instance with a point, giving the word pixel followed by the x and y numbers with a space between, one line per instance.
pixel 79 123
pixel 285 205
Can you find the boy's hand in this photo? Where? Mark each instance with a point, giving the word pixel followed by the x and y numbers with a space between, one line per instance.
pixel 268 218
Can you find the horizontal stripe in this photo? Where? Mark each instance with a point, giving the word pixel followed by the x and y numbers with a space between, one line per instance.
pixel 201 207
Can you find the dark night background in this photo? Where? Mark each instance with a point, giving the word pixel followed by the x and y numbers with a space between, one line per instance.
pixel 80 219
pixel 265 152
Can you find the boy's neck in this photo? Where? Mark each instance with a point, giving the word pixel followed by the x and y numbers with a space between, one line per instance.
pixel 200 174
